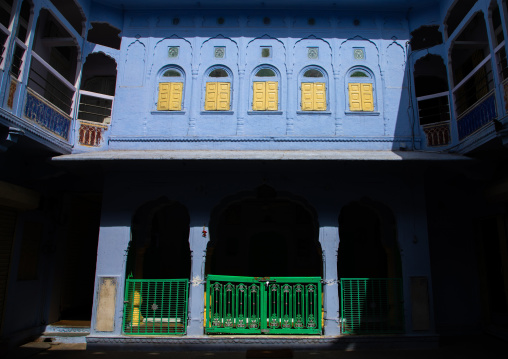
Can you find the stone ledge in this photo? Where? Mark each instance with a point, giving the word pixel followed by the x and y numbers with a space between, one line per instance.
pixel 229 343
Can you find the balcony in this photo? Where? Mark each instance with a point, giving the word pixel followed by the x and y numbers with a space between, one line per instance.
pixel 437 134
pixel 477 116
pixel 434 115
pixel 45 114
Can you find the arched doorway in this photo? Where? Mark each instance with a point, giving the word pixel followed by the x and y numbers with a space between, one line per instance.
pixel 264 234
pixel 369 269
pixel 158 270
pixel 264 266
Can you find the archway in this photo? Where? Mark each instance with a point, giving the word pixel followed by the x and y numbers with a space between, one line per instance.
pixel 369 269
pixel 159 248
pixel 264 234
pixel 264 266
pixel 158 270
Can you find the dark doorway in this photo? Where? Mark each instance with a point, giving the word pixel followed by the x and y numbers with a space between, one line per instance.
pixel 160 242
pixel 264 235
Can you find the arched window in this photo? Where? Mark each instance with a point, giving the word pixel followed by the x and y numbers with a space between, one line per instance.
pixel 218 89
pixel 313 89
pixel 265 89
pixel 170 91
pixel 360 90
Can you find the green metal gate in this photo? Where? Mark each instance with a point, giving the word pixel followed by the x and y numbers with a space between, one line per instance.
pixel 155 306
pixel 371 306
pixel 263 305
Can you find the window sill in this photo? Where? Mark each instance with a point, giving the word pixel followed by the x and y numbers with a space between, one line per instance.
pixel 217 112
pixel 167 112
pixel 362 113
pixel 264 113
pixel 313 113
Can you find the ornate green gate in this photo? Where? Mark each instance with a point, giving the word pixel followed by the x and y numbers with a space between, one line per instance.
pixel 263 305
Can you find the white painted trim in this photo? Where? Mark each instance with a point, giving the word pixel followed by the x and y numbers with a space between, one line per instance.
pixel 471 74
pixel 95 94
pixel 436 95
pixel 54 72
pixel 20 43
pixel 5 30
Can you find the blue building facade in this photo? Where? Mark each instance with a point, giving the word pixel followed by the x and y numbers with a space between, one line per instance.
pixel 271 154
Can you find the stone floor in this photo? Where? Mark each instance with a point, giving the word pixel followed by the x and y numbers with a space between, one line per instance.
pixel 481 347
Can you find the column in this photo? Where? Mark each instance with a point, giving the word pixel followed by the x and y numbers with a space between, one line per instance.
pixel 198 240
pixel 329 239
pixel 107 313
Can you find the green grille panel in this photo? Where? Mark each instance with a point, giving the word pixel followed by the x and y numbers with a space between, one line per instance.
pixel 276 305
pixel 372 306
pixel 156 307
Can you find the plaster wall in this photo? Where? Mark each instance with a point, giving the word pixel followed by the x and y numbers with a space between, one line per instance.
pixel 147 36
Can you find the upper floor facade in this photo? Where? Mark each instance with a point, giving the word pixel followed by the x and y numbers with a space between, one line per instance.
pixel 82 76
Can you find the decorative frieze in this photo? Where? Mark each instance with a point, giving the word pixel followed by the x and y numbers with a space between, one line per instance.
pixel 480 115
pixel 44 114
pixel 438 134
pixel 90 133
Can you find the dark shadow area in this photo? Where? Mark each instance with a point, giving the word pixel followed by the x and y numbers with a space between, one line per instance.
pixel 160 242
pixel 264 234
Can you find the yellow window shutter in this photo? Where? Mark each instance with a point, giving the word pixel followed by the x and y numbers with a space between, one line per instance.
pixel 163 100
pixel 211 96
pixel 367 97
pixel 307 96
pixel 223 96
pixel 319 96
pixel 259 100
pixel 175 101
pixel 355 97
pixel 272 96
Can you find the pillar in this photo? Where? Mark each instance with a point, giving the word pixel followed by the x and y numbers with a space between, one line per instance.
pixel 329 239
pixel 198 240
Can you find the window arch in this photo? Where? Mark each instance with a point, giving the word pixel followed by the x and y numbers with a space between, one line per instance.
pixel 360 83
pixel 313 89
pixel 218 89
pixel 265 89
pixel 170 91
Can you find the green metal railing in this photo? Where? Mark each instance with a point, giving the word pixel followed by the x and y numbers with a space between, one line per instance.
pixel 255 305
pixel 371 306
pixel 155 307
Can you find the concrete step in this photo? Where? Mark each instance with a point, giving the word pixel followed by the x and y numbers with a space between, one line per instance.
pixel 66 332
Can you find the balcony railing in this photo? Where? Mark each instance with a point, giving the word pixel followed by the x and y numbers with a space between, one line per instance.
pixel 4 35
pixel 45 114
pixel 478 116
pixel 438 134
pixel 95 107
pixel 50 84
pixel 91 133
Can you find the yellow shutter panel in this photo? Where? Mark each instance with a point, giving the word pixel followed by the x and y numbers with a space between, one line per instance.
pixel 367 97
pixel 163 100
pixel 319 96
pixel 176 93
pixel 223 96
pixel 355 97
pixel 307 96
pixel 259 100
pixel 211 96
pixel 272 96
